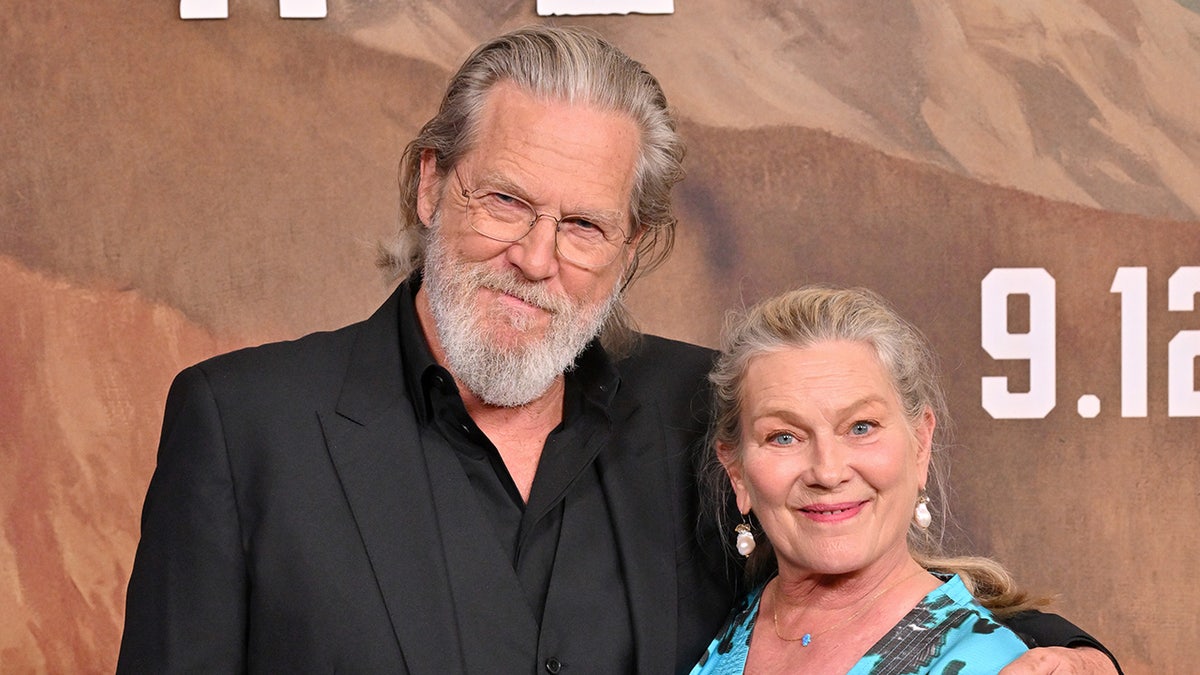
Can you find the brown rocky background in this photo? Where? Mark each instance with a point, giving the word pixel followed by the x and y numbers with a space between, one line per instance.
pixel 171 189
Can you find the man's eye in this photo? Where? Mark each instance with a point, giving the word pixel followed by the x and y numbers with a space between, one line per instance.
pixel 501 200
pixel 505 207
pixel 587 228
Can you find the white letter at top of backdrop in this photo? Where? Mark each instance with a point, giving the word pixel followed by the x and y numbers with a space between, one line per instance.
pixel 302 9
pixel 580 7
pixel 204 9
pixel 219 9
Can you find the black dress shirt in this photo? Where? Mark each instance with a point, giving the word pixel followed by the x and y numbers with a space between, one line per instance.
pixel 560 545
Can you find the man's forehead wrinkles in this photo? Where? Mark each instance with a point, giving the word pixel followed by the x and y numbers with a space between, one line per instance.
pixel 523 184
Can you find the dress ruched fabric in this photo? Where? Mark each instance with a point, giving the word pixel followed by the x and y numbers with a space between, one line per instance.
pixel 948 633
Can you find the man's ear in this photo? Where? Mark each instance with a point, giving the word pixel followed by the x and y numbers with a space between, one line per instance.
pixel 629 256
pixel 631 248
pixel 429 188
pixel 727 454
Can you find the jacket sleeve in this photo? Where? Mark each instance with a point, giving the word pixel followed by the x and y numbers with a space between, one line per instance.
pixel 1039 629
pixel 186 604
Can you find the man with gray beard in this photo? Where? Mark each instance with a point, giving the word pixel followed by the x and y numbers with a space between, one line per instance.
pixel 491 474
pixel 499 374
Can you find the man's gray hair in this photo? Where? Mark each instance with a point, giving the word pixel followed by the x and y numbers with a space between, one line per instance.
pixel 559 64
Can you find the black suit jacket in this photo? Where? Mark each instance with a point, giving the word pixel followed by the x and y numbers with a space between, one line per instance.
pixel 291 524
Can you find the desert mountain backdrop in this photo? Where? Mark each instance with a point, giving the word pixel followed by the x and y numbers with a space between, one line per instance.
pixel 171 189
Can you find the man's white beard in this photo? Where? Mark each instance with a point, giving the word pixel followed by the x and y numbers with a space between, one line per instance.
pixel 497 372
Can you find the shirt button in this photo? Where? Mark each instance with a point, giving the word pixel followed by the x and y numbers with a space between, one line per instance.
pixel 553 665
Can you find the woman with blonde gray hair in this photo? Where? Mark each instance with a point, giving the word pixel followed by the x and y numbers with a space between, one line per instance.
pixel 827 418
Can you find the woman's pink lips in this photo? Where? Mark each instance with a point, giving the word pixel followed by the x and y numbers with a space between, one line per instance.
pixel 832 513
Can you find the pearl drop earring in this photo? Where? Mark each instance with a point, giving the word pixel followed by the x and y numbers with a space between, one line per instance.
pixel 745 538
pixel 921 515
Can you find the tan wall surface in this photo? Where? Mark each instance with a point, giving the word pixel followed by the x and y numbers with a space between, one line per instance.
pixel 171 189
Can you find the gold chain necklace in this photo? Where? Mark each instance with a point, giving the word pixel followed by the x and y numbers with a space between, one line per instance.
pixel 806 638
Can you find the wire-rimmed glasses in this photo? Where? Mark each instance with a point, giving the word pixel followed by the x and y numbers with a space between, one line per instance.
pixel 587 241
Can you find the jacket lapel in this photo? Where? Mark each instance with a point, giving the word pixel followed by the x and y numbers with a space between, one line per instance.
pixel 636 480
pixel 498 629
pixel 373 442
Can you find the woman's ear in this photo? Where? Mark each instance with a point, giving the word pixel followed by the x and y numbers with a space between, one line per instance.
pixel 429 187
pixel 728 456
pixel 923 434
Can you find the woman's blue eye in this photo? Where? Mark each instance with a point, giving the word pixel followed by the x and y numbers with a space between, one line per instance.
pixel 861 428
pixel 782 438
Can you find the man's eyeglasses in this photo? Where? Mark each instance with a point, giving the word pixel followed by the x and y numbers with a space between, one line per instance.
pixel 585 241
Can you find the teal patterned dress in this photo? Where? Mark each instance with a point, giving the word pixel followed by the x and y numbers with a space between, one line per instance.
pixel 946 633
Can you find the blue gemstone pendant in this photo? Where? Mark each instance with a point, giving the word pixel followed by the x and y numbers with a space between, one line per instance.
pixel 806 639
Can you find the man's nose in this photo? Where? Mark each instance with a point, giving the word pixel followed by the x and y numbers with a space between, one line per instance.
pixel 536 253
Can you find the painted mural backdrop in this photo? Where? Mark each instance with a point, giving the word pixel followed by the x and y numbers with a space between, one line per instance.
pixel 1021 177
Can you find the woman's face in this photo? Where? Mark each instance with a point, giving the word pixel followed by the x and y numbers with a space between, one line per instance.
pixel 828 462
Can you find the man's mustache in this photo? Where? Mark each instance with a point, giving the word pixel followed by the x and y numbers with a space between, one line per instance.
pixel 534 293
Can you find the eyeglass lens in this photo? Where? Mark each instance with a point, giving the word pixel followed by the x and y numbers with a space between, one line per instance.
pixel 584 241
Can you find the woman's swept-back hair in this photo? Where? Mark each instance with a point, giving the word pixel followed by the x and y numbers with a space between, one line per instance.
pixel 816 314
pixel 556 64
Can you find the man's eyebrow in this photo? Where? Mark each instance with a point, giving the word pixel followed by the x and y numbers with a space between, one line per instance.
pixel 493 180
